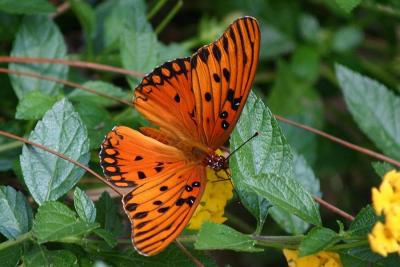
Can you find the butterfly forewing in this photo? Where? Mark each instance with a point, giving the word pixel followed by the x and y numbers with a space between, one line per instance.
pixel 222 75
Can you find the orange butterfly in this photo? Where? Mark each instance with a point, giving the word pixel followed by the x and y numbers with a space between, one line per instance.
pixel 196 103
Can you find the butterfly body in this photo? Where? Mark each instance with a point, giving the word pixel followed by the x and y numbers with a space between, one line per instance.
pixel 195 102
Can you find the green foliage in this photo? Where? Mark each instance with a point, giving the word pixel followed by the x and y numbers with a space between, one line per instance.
pixel 317 57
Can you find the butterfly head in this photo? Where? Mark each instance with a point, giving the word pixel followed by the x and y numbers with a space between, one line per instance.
pixel 216 162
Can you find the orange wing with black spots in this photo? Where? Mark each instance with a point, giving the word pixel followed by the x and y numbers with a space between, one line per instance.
pixel 159 210
pixel 222 75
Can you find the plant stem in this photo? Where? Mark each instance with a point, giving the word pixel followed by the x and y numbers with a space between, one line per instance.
pixel 156 8
pixel 11 242
pixel 10 146
pixel 169 16
pixel 349 245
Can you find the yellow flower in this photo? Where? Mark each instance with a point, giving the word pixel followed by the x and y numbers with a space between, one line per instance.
pixel 385 237
pixel 382 240
pixel 321 259
pixel 216 195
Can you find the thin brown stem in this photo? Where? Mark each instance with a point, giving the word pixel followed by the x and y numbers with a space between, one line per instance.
pixel 73 63
pixel 65 82
pixel 190 256
pixel 333 208
pixel 342 142
pixel 26 141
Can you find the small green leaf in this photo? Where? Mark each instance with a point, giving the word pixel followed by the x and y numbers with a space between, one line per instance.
pixel 309 27
pixel 287 194
pixel 47 176
pixel 84 206
pixel 97 121
pixel 348 5
pixel 381 168
pixel 108 215
pixel 363 222
pixel 375 109
pixel 26 6
pixel 317 239
pixel 102 87
pixel 347 38
pixel 278 42
pixel 16 213
pixel 9 257
pixel 56 222
pixel 268 152
pixel 107 236
pixel 40 256
pixel 219 236
pixel 38 36
pixel 33 105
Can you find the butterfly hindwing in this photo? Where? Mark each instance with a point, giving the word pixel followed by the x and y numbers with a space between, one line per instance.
pixel 222 75
pixel 130 158
pixel 159 210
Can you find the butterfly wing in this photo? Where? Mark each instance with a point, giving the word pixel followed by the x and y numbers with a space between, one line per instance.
pixel 166 187
pixel 222 75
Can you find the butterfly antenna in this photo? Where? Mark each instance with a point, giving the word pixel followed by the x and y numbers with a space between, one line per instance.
pixel 248 140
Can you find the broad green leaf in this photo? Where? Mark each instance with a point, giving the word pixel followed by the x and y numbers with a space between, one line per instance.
pixel 375 109
pixel 26 6
pixel 9 257
pixel 381 168
pixel 369 258
pixel 138 47
pixel 56 222
pixel 347 38
pixel 287 194
pixel 33 105
pixel 172 51
pixel 317 239
pixel 350 261
pixel 267 153
pixel 219 236
pixel 107 236
pixel 172 256
pixel 121 14
pixel 40 256
pixel 38 36
pixel 97 121
pixel 102 87
pixel 108 215
pixel 47 176
pixel 348 5
pixel 305 176
pixel 363 222
pixel 84 206
pixel 16 213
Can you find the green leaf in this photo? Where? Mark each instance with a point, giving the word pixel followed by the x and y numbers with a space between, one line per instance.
pixel 305 63
pixel 350 261
pixel 102 87
pixel 97 121
pixel 16 213
pixel 56 222
pixel 278 43
pixel 309 27
pixel 171 51
pixel 84 206
pixel 108 215
pixel 363 222
pixel 9 257
pixel 33 105
pixel 26 6
pixel 268 153
pixel 38 36
pixel 317 239
pixel 287 194
pixel 107 236
pixel 170 257
pixel 375 109
pixel 347 38
pixel 47 176
pixel 219 236
pixel 348 5
pixel 381 168
pixel 40 256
